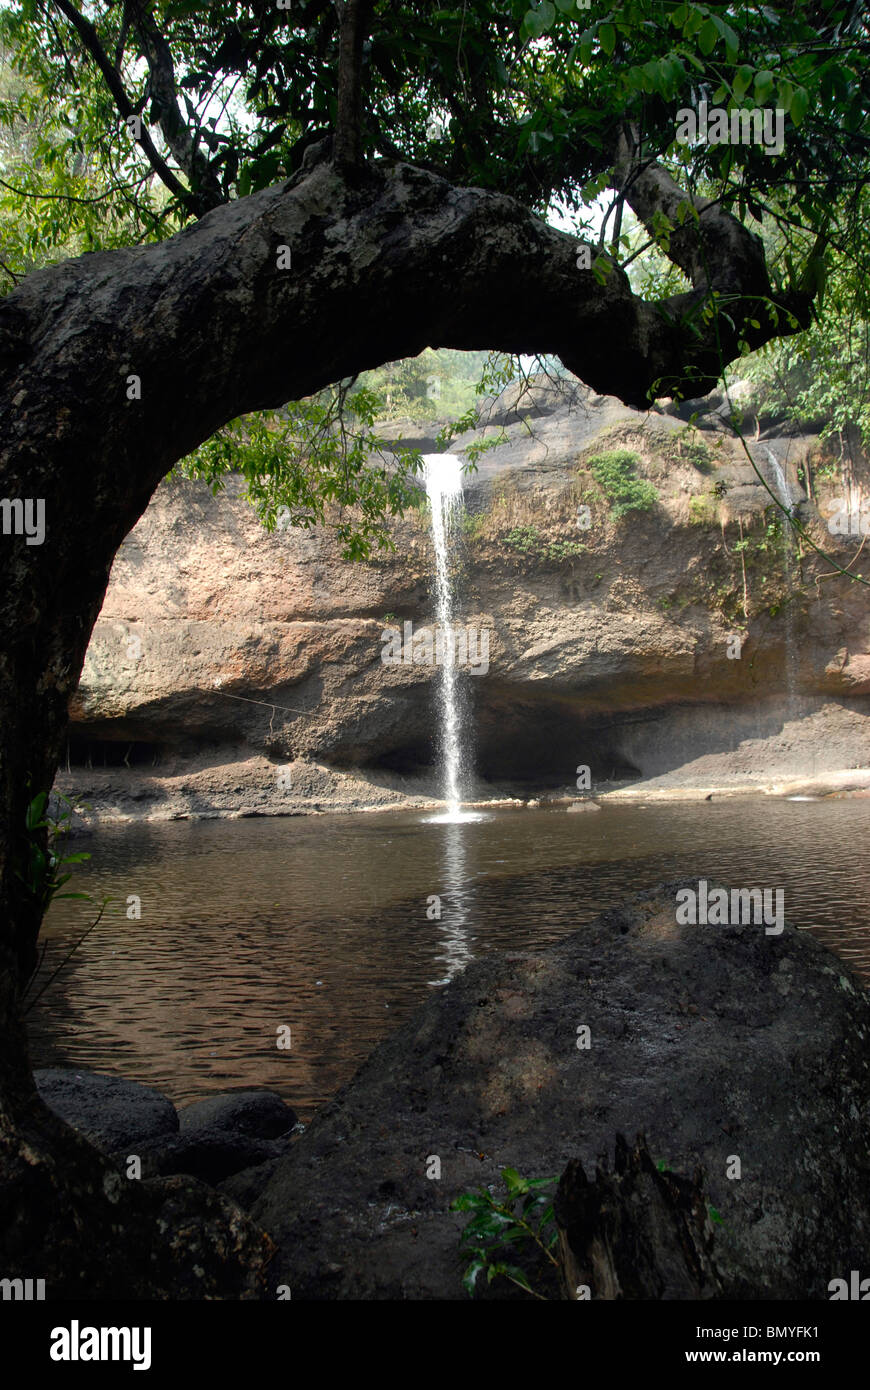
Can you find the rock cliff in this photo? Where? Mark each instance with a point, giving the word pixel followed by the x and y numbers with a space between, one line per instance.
pixel 683 646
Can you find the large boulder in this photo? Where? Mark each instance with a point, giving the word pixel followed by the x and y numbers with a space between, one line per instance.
pixel 109 1111
pixel 718 1042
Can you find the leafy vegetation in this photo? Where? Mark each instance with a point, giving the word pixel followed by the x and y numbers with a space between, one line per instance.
pixel 616 474
pixel 519 97
pixel 527 540
pixel 521 1223
pixel 687 447
pixel 44 859
pixel 43 871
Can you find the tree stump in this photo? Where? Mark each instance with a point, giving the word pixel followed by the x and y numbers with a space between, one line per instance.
pixel 635 1232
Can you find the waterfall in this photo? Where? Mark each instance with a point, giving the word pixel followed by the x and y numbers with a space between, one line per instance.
pixel 443 476
pixel 780 482
pixel 783 491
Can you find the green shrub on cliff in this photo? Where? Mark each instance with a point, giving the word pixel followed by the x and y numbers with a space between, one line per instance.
pixel 529 541
pixel 616 475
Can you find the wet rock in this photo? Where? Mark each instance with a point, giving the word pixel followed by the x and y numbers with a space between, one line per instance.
pixel 109 1111
pixel 772 1070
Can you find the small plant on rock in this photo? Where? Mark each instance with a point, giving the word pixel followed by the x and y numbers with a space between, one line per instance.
pixel 616 474
pixel 520 1223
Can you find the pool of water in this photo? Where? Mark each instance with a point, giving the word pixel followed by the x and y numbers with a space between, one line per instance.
pixel 329 926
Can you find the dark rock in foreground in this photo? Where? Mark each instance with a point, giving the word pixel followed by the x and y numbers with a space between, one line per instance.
pixel 67 1212
pixel 211 1140
pixel 718 1042
pixel 111 1112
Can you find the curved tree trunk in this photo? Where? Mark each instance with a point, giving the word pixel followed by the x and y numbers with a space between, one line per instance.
pixel 115 365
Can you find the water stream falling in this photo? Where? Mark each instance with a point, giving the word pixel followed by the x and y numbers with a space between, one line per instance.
pixel 783 491
pixel 443 476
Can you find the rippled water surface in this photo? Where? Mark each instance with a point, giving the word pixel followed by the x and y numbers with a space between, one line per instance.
pixel 321 924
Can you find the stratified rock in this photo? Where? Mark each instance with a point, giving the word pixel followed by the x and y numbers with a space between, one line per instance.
pixel 109 1111
pixel 260 1114
pixel 743 1052
pixel 236 671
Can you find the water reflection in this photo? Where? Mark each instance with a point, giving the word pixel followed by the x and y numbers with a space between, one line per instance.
pixel 455 904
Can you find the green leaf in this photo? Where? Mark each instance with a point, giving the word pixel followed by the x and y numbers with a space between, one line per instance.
pixel 742 81
pixel 732 43
pixel 517 1274
pixel 799 103
pixel 607 38
pixel 708 36
pixel 764 84
pixel 513 1182
pixel 469 1278
pixel 469 1201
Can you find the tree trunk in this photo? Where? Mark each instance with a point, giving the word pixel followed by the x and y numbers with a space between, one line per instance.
pixel 634 1233
pixel 115 365
pixel 348 146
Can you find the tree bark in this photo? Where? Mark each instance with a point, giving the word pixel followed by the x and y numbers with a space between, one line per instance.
pixel 115 365
pixel 635 1232
pixel 354 17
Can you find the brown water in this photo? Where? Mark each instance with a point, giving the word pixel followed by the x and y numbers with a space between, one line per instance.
pixel 320 924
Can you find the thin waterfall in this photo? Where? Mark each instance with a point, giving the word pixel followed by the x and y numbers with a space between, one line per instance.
pixel 783 491
pixel 443 476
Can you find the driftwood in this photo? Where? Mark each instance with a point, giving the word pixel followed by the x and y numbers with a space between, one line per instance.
pixel 636 1232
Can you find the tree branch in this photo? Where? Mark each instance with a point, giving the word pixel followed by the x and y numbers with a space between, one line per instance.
pixel 91 40
pixel 354 16
pixel 717 254
pixel 205 190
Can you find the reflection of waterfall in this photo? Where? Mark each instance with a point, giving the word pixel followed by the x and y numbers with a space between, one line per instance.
pixel 455 941
pixel 444 489
pixel 781 487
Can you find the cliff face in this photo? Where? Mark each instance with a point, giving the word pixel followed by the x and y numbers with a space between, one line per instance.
pixel 234 671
